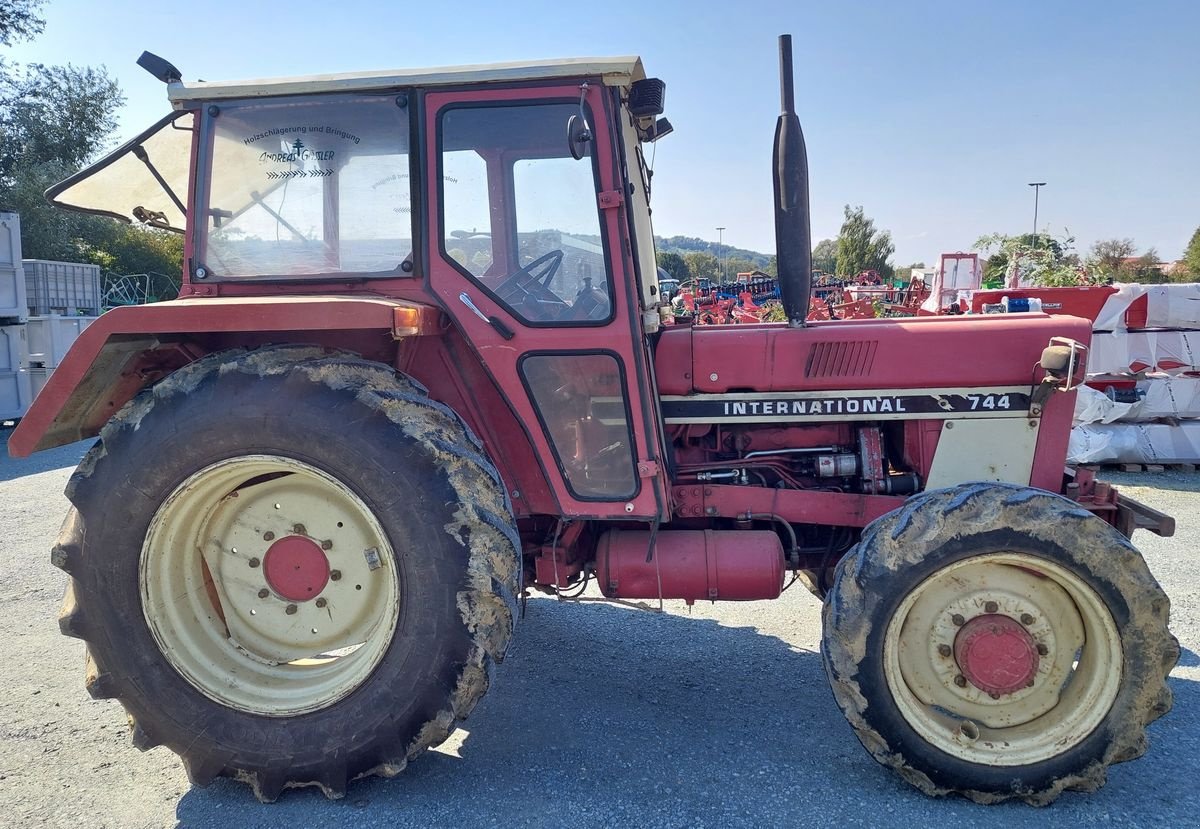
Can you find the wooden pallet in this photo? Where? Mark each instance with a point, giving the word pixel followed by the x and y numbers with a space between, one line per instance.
pixel 1149 467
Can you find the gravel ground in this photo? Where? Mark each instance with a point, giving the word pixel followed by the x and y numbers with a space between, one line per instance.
pixel 601 716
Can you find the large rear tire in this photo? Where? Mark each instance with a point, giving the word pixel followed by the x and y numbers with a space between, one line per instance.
pixel 292 568
pixel 998 642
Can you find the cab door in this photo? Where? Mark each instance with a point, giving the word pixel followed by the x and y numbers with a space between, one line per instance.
pixel 529 255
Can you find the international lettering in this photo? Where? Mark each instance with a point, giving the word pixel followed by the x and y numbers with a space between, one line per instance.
pixel 827 406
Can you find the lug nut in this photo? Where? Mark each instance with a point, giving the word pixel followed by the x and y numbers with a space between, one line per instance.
pixel 1026 619
pixel 327 544
pixel 262 594
pixel 268 536
pixel 960 681
pixel 991 607
pixel 254 562
pixel 1042 650
pixel 298 529
pixel 944 650
pixel 958 620
pixel 334 575
pixel 321 602
pixel 1029 684
pixel 291 610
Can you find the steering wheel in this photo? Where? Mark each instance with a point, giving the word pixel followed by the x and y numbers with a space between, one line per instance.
pixel 530 285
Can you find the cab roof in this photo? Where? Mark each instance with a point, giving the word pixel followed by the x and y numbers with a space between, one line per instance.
pixel 618 71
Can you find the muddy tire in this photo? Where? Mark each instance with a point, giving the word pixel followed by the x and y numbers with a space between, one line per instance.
pixel 998 642
pixel 290 566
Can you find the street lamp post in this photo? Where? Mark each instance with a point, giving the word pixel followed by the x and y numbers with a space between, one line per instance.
pixel 1037 186
pixel 720 259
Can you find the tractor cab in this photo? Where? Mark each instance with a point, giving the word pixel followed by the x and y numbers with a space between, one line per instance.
pixel 510 200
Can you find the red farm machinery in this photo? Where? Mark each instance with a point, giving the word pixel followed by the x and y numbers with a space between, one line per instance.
pixel 416 371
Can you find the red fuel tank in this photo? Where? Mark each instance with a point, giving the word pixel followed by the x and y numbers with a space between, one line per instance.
pixel 729 565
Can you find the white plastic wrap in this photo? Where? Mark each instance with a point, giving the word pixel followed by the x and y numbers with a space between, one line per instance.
pixel 1135 443
pixel 1118 353
pixel 1173 306
pixel 1168 397
pixel 1159 397
pixel 1112 315
pixel 1167 306
pixel 1092 406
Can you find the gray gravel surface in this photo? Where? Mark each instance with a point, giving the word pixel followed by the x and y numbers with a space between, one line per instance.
pixel 601 716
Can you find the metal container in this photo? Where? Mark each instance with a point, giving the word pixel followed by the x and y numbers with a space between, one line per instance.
pixel 37 379
pixel 50 337
pixel 15 394
pixel 12 278
pixel 67 288
pixel 13 348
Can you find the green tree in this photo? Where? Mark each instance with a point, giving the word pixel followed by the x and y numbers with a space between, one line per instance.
pixel 19 20
pixel 735 266
pixel 702 265
pixel 1108 258
pixel 1190 267
pixel 673 264
pixel 860 247
pixel 997 266
pixel 53 121
pixel 1036 260
pixel 824 256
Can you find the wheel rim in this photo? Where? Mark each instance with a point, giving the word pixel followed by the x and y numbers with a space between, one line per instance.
pixel 1005 659
pixel 269 585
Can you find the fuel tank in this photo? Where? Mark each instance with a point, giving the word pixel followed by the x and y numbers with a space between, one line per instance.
pixel 727 565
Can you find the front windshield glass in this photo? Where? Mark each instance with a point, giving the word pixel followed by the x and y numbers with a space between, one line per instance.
pixel 315 186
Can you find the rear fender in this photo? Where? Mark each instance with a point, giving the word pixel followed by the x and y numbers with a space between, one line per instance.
pixel 128 348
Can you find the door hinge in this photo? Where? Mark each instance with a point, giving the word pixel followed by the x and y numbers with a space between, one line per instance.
pixel 610 199
pixel 647 469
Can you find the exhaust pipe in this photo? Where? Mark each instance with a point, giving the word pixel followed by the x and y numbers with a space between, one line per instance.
pixel 793 236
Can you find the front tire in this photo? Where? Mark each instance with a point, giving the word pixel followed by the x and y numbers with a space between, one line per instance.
pixel 998 642
pixel 292 568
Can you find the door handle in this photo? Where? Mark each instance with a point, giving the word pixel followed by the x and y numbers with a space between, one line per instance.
pixel 496 323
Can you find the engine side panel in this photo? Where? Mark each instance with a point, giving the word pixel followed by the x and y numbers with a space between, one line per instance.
pixel 859 409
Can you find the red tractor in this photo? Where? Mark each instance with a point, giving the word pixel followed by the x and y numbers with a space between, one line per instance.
pixel 416 370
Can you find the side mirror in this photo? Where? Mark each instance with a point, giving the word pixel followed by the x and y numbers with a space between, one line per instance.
pixel 579 135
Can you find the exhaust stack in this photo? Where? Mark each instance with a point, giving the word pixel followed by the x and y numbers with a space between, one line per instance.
pixel 793 236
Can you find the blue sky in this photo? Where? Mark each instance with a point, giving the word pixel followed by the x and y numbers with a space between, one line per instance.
pixel 932 115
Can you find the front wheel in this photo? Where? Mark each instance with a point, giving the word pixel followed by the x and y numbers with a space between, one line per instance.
pixel 292 568
pixel 998 642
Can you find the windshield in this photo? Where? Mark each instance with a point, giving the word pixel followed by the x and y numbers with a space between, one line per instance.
pixel 313 186
pixel 143 181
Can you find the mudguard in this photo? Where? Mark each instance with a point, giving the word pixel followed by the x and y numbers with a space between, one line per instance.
pixel 131 347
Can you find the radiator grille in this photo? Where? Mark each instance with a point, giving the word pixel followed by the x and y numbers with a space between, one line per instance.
pixel 841 359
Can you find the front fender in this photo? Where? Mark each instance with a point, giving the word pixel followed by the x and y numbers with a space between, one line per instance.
pixel 128 348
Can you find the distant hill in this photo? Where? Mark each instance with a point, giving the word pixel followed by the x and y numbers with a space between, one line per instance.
pixel 690 244
pixel 693 244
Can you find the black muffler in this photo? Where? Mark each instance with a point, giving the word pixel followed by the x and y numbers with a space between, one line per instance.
pixel 793 235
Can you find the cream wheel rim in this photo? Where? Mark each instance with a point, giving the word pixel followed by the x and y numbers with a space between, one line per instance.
pixel 269 585
pixel 1028 605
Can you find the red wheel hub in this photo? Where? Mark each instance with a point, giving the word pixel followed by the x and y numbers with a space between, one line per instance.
pixel 296 568
pixel 996 654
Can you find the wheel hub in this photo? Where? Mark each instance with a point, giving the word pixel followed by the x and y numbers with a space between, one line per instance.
pixel 996 654
pixel 296 568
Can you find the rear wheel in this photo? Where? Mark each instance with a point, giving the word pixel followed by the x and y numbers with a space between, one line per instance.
pixel 291 568
pixel 998 642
